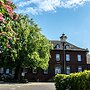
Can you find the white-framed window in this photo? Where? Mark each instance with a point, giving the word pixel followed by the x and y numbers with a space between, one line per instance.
pixel 67 69
pixel 79 57
pixel 34 70
pixel 57 46
pixel 67 47
pixel 57 69
pixel 7 71
pixel 46 71
pixel 1 70
pixel 57 57
pixel 67 57
pixel 79 68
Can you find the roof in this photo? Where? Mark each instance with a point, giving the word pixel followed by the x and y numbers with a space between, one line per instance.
pixel 70 46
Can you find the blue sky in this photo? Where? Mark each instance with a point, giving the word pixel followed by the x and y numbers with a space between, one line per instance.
pixel 55 17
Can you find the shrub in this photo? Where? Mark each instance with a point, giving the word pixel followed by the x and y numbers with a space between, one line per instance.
pixel 74 81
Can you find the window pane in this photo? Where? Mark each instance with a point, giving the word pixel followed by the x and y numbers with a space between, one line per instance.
pixel 79 69
pixel 67 57
pixel 79 57
pixel 46 71
pixel 57 69
pixel 57 57
pixel 13 71
pixel 34 70
pixel 7 71
pixel 1 70
pixel 68 70
pixel 67 46
pixel 57 46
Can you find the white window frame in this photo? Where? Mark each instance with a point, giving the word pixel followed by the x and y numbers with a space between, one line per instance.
pixel 79 57
pixel 46 71
pixel 79 68
pixel 67 57
pixel 57 57
pixel 68 69
pixel 34 70
pixel 57 70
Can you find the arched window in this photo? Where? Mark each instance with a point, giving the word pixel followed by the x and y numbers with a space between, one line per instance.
pixel 57 46
pixel 67 47
pixel 57 69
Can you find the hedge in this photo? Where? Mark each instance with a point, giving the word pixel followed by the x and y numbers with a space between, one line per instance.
pixel 74 81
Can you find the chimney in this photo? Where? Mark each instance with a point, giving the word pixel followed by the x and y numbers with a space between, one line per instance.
pixel 63 38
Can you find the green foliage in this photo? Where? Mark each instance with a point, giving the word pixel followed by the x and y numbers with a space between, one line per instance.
pixel 74 81
pixel 21 41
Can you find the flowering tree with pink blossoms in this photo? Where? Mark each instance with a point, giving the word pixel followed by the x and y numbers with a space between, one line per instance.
pixel 21 43
pixel 7 17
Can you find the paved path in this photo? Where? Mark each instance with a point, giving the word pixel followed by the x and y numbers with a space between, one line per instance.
pixel 28 86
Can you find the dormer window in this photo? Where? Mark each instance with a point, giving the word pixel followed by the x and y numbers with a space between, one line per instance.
pixel 67 47
pixel 57 46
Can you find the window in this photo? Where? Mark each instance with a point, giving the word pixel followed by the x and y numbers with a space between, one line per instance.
pixel 57 57
pixel 57 46
pixel 68 70
pixel 67 57
pixel 13 71
pixel 79 57
pixel 25 70
pixel 7 71
pixel 1 70
pixel 57 69
pixel 34 70
pixel 79 68
pixel 67 47
pixel 46 71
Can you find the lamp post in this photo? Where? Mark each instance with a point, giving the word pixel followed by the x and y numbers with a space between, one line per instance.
pixel 63 41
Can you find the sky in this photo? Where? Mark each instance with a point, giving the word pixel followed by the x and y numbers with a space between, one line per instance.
pixel 55 17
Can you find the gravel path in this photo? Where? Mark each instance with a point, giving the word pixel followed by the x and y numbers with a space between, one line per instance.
pixel 28 86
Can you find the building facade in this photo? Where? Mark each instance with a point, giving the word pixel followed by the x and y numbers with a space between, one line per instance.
pixel 65 58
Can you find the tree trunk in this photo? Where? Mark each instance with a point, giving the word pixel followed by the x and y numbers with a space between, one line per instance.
pixel 17 73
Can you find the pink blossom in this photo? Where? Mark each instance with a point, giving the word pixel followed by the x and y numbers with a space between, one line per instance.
pixel 17 38
pixel 9 38
pixel 8 46
pixel 16 17
pixel 0 33
pixel 1 17
pixel 13 32
pixel 9 27
pixel 9 2
pixel 9 9
pixel 1 4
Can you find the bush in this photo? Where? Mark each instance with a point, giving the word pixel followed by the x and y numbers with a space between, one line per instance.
pixel 52 79
pixel 74 81
pixel 23 81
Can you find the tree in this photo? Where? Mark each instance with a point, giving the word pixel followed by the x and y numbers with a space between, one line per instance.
pixel 22 43
pixel 33 48
pixel 7 34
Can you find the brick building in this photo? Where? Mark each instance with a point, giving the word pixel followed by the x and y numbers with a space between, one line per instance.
pixel 65 58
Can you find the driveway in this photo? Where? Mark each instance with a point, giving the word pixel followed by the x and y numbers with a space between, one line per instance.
pixel 28 86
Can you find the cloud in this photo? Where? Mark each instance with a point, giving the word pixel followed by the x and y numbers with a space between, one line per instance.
pixel 39 6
